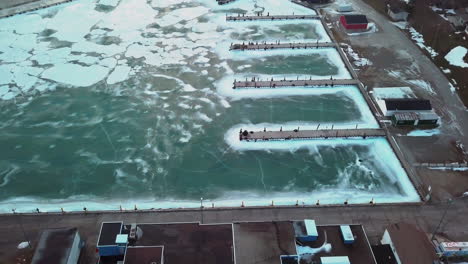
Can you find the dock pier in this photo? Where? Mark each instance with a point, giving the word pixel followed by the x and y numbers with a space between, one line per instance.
pixel 309 134
pixel 253 83
pixel 278 45
pixel 242 17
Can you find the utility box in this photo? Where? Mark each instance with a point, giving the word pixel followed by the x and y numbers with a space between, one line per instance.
pixel 311 233
pixel 108 237
pixel 347 234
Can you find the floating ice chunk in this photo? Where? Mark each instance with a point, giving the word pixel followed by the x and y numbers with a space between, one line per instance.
pixel 13 54
pixel 52 56
pixel 119 74
pixel 108 62
pixel 166 3
pixel 107 50
pixel 76 75
pixel 73 22
pixel 204 117
pixel 27 24
pixel 109 2
pixel 204 27
pixel 182 14
pixel 9 95
pixel 6 76
pixel 4 89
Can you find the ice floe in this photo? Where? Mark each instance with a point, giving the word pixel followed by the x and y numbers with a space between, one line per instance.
pixel 76 75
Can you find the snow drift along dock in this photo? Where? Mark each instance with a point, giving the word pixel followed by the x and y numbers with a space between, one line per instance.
pixel 309 134
pixel 267 46
pixel 241 17
pixel 291 83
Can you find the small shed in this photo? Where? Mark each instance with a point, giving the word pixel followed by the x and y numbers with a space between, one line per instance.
pixel 354 22
pixel 58 246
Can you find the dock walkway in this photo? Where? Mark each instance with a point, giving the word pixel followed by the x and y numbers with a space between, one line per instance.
pixel 289 45
pixel 240 17
pixel 310 134
pixel 292 83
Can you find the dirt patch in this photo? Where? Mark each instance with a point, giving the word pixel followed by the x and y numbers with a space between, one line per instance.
pixel 439 34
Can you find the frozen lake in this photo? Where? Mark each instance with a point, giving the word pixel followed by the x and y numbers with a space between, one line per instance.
pixel 100 109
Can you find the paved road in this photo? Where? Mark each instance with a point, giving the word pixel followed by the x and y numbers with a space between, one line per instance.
pixel 374 218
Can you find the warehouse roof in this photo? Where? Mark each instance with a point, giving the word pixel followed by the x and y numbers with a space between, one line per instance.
pixel 411 244
pixel 143 255
pixel 54 246
pixel 330 236
pixel 407 104
pixel 356 19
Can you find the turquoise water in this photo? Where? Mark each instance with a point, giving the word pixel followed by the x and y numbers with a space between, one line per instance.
pixel 142 118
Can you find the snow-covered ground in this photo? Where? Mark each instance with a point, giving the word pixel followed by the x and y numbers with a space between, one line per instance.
pixel 418 38
pixel 456 55
pixel 357 60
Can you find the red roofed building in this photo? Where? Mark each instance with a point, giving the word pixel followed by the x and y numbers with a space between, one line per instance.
pixel 354 22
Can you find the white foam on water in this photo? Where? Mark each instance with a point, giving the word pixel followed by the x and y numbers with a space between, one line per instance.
pixel 82 76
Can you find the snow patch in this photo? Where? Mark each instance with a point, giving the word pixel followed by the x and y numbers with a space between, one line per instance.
pixel 456 55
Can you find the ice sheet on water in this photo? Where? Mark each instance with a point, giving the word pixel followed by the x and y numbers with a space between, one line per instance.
pixel 119 74
pixel 82 76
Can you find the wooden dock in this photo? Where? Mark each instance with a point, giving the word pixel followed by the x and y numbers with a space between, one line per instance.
pixel 310 134
pixel 292 83
pixel 241 17
pixel 289 45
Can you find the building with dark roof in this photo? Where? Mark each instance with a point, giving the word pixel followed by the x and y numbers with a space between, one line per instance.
pixel 383 254
pixel 281 242
pixel 354 22
pixel 408 104
pixel 409 244
pixel 58 246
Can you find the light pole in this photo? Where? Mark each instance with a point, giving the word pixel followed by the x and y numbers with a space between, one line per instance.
pixel 201 209
pixel 449 202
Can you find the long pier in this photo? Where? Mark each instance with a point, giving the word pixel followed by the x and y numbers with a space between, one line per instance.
pixel 309 134
pixel 242 17
pixel 289 45
pixel 292 83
